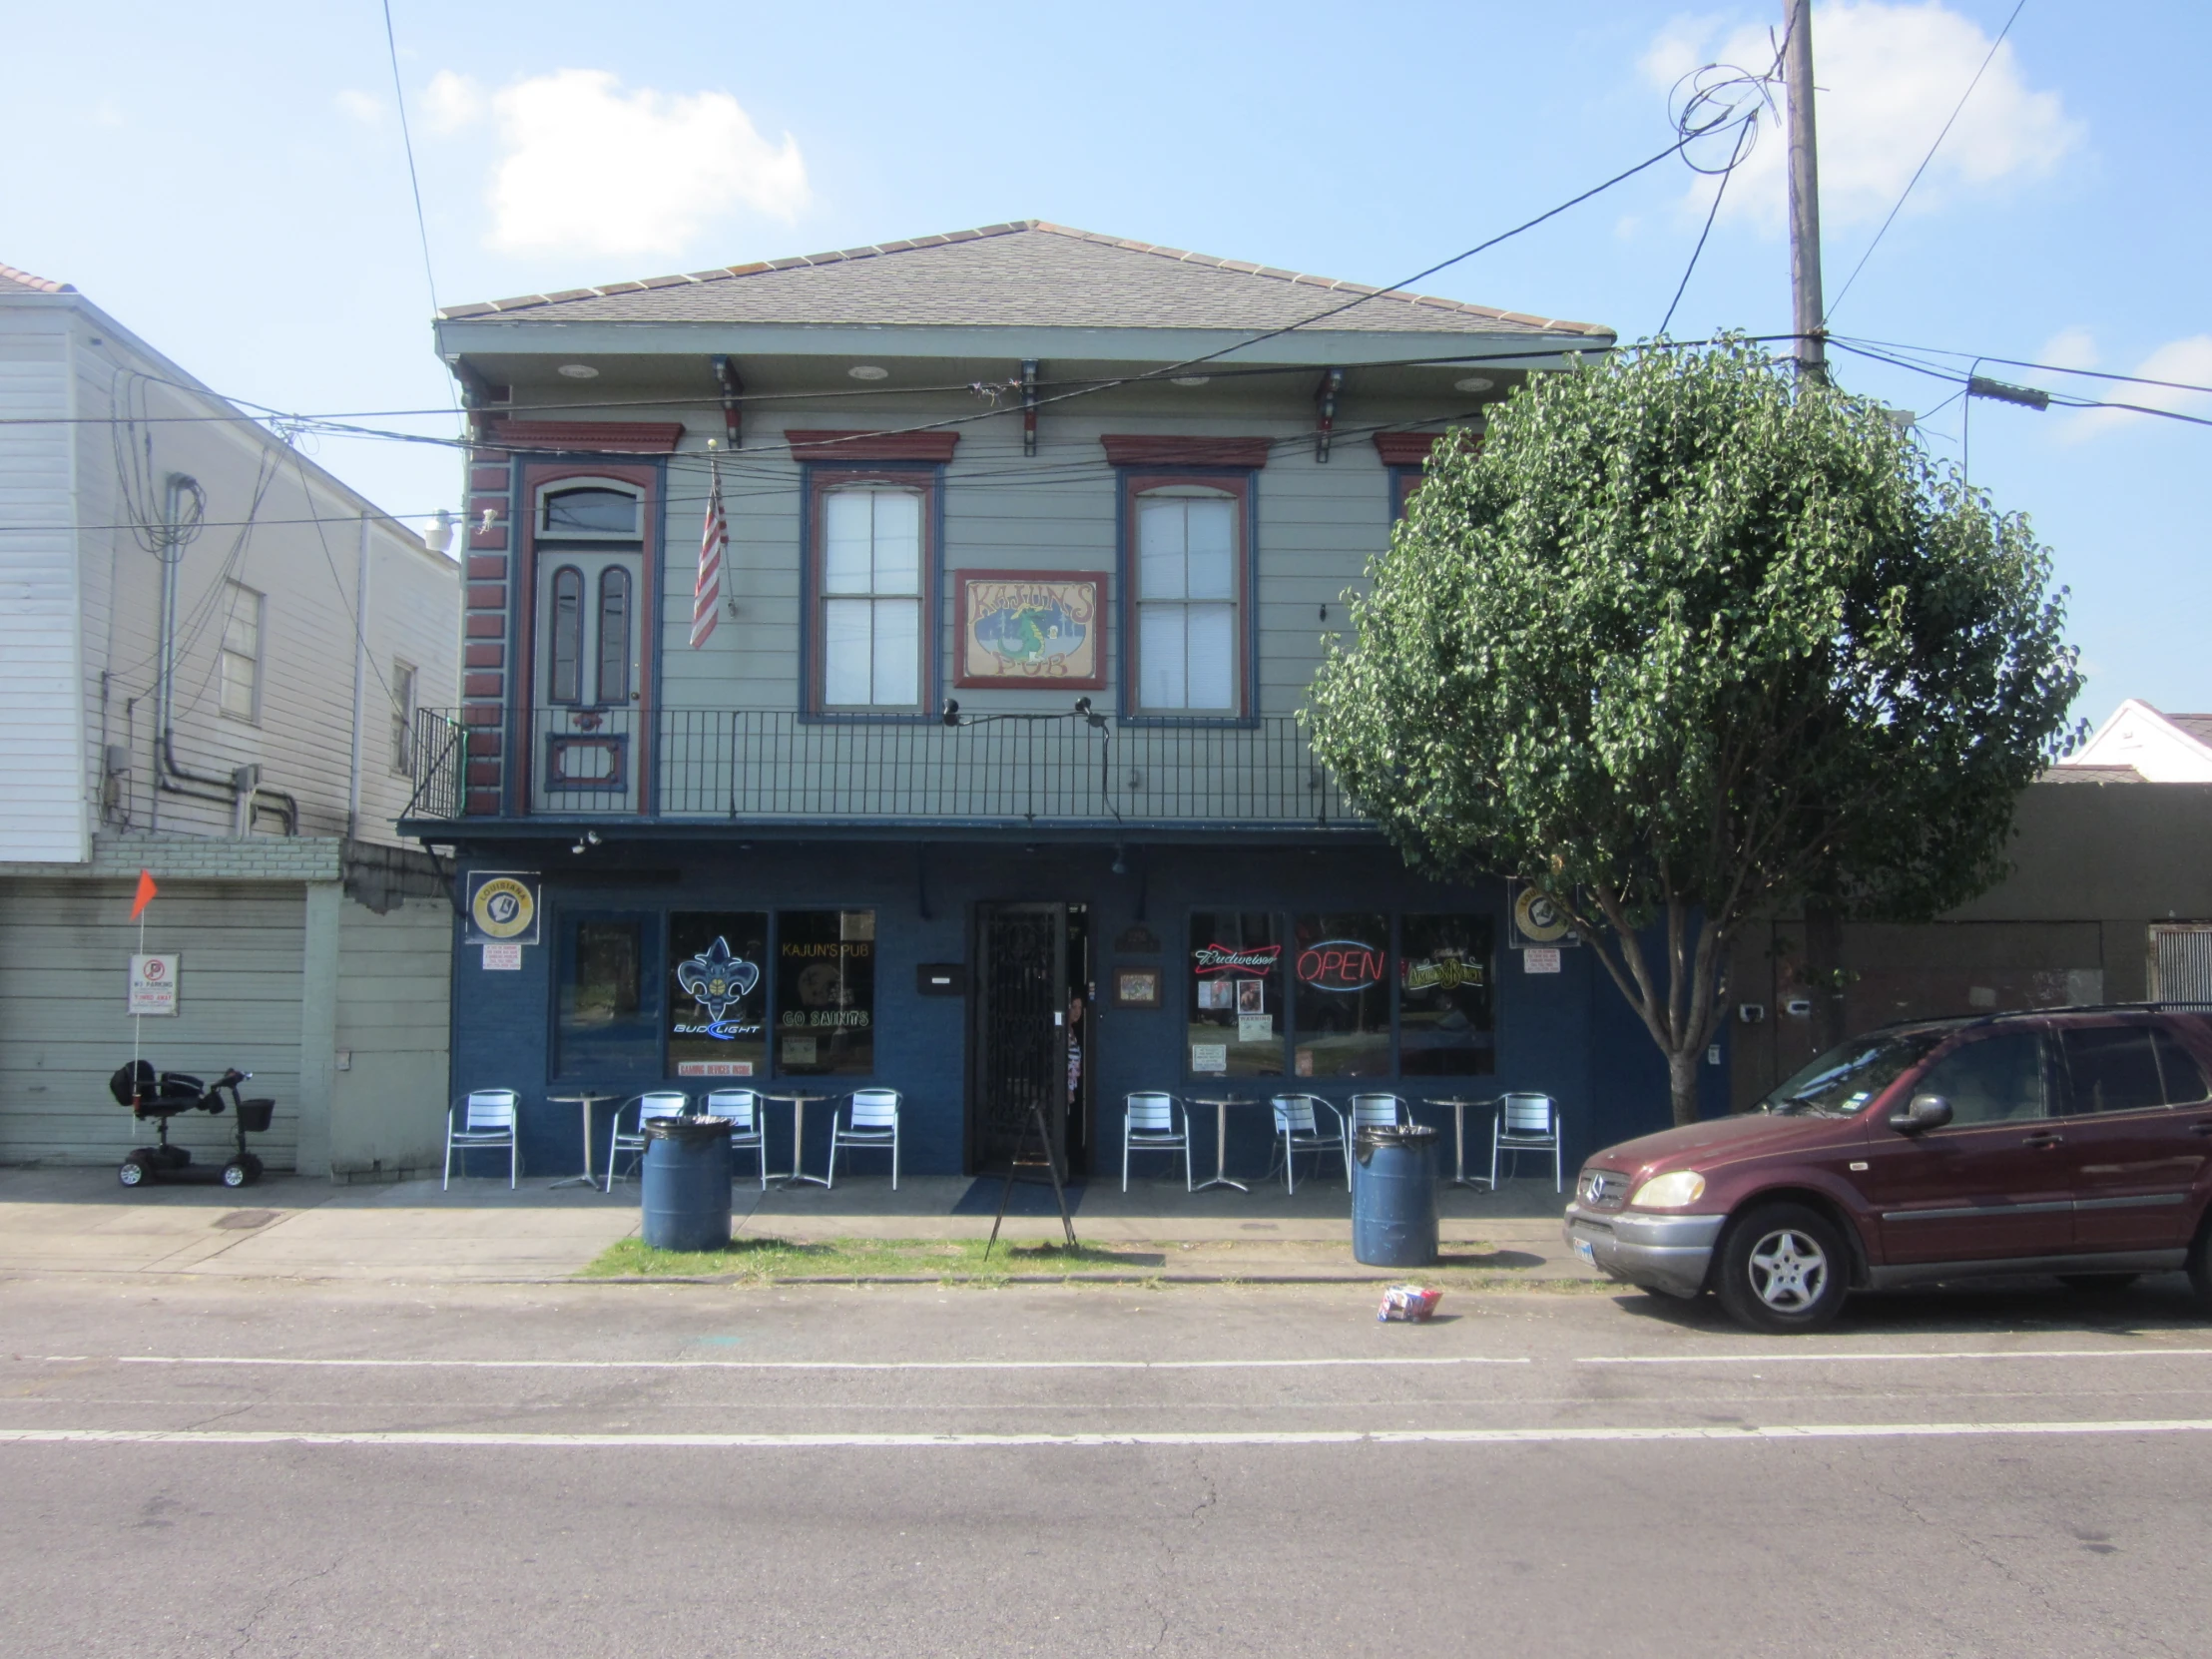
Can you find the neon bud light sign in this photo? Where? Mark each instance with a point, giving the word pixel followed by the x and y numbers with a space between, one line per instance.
pixel 1340 966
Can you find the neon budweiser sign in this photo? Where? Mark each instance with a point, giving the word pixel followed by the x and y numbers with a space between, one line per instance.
pixel 1222 958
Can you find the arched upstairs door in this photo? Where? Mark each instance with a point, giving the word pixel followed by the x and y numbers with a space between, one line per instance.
pixel 591 721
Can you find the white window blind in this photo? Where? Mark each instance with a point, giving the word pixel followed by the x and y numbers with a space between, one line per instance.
pixel 240 661
pixel 872 598
pixel 1187 604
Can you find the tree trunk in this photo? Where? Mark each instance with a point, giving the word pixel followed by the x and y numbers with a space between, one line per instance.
pixel 1682 1066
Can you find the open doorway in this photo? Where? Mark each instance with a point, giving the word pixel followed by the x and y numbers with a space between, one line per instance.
pixel 1032 1043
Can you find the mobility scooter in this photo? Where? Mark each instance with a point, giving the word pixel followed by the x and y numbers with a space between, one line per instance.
pixel 161 1097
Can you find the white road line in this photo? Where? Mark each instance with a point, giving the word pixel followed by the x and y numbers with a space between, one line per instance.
pixel 1814 1357
pixel 784 1365
pixel 895 1443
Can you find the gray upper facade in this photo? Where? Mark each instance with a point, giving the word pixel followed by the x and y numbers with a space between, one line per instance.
pixel 920 446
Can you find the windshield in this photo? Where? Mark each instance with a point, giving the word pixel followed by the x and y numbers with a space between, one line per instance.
pixel 1844 1079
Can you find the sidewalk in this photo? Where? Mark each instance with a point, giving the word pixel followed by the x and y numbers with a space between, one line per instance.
pixel 78 1221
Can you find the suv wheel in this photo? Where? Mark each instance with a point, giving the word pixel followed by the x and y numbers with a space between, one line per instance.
pixel 1783 1267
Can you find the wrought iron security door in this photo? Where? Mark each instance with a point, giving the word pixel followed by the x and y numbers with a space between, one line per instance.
pixel 1021 1034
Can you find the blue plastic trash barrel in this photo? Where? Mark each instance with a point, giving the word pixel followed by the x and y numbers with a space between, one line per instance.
pixel 686 1186
pixel 1393 1196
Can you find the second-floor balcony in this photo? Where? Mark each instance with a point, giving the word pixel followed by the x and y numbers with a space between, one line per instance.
pixel 777 765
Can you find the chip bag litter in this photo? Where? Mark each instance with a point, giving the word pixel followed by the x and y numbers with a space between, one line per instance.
pixel 1413 1303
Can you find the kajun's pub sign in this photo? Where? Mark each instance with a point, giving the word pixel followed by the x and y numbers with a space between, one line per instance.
pixel 1020 626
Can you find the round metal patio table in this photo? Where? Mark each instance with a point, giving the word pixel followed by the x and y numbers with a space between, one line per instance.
pixel 587 1100
pixel 799 1103
pixel 1221 1104
pixel 1459 1176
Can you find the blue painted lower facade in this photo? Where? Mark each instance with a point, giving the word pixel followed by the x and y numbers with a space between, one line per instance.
pixel 554 1026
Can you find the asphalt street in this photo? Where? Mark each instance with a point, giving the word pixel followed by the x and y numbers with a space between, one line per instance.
pixel 263 1468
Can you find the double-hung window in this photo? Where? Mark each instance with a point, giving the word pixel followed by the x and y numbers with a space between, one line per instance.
pixel 239 663
pixel 1187 575
pixel 873 591
pixel 402 717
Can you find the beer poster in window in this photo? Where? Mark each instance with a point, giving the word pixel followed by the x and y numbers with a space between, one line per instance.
pixel 1235 962
pixel 1445 1009
pixel 1341 966
pixel 825 994
pixel 717 993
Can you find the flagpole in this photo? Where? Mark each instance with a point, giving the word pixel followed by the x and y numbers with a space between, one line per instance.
pixel 138 1020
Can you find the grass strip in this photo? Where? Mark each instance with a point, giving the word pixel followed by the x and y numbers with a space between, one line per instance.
pixel 764 1259
pixel 767 1259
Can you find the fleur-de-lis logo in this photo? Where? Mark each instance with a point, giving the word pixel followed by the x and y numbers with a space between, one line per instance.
pixel 717 980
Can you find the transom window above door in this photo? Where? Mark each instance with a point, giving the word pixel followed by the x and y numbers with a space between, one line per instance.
pixel 593 512
pixel 1188 585
pixel 872 584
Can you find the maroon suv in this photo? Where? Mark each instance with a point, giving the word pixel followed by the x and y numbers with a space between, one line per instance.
pixel 2076 1143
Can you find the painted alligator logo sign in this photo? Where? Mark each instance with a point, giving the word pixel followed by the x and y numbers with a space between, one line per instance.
pixel 1022 626
pixel 717 981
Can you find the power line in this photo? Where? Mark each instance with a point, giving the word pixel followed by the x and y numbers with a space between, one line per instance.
pixel 2061 399
pixel 2044 369
pixel 1925 159
pixel 406 141
pixel 1727 174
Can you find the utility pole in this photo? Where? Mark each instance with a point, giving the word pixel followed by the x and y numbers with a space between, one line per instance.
pixel 1808 320
pixel 1823 925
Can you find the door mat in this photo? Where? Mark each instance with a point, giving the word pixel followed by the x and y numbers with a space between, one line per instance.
pixel 1029 1197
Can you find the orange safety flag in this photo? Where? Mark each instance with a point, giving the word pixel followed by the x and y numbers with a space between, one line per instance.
pixel 146 892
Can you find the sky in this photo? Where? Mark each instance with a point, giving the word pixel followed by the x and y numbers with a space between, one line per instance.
pixel 230 182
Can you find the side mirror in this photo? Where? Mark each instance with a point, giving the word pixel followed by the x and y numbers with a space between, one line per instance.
pixel 1926 1111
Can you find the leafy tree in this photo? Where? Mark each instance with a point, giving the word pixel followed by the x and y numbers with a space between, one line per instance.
pixel 1685 641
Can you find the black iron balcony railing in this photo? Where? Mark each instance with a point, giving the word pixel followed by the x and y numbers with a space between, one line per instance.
pixel 770 765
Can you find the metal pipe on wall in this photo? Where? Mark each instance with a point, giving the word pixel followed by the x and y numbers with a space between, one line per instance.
pixel 360 683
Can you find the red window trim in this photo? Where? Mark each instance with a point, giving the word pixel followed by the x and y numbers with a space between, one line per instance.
pixel 1173 449
pixel 821 480
pixel 837 447
pixel 1413 448
pixel 1134 488
pixel 606 437
pixel 523 596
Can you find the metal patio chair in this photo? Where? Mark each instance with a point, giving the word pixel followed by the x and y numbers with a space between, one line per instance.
pixel 487 1118
pixel 1526 1123
pixel 747 1122
pixel 1298 1124
pixel 870 1118
pixel 1155 1122
pixel 1376 1111
pixel 639 1109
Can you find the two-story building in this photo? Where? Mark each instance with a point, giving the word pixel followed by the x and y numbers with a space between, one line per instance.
pixel 210 651
pixel 973 767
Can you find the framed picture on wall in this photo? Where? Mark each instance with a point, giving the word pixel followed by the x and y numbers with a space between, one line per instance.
pixel 1031 628
pixel 1136 988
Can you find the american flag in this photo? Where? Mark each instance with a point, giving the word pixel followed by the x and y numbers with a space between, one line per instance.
pixel 707 591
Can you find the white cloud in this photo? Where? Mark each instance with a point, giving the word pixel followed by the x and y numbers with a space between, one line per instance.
pixel 1889 78
pixel 587 167
pixel 453 102
pixel 2070 349
pixel 363 107
pixel 2188 361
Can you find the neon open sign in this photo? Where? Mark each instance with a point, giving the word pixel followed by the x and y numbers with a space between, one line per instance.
pixel 1340 966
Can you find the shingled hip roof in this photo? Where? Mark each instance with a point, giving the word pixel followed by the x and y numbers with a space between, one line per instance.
pixel 1023 274
pixel 13 280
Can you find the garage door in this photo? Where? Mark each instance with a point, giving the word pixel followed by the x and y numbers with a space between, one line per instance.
pixel 65 950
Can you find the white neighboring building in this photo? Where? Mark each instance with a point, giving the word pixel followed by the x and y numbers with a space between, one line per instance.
pixel 2141 745
pixel 184 689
